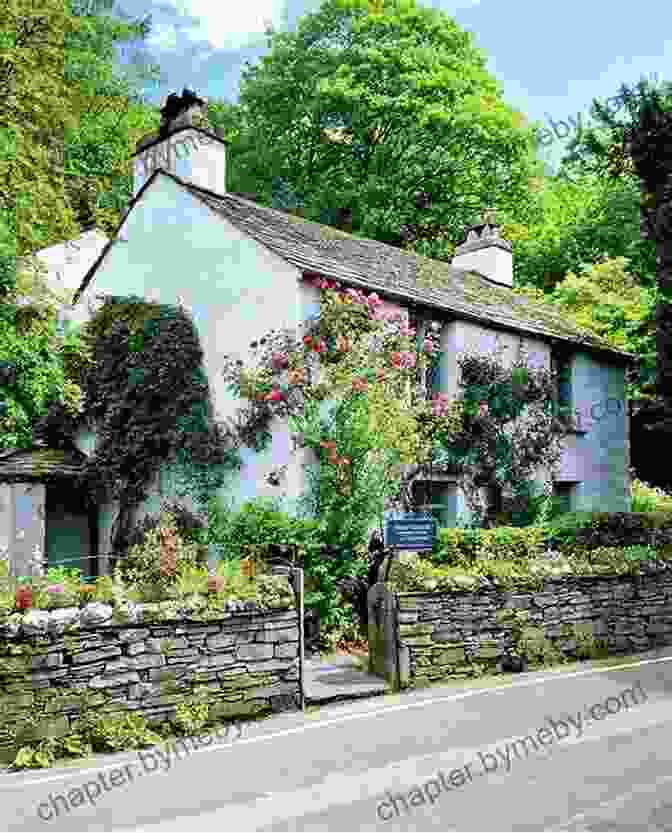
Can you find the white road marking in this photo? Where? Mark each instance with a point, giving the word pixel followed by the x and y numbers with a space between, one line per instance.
pixel 341 789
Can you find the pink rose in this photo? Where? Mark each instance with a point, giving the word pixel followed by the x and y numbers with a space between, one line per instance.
pixel 279 361
pixel 55 588
pixel 374 300
pixel 405 359
pixel 428 345
pixel 275 396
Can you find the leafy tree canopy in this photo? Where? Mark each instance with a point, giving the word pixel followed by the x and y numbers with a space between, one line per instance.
pixel 66 124
pixel 381 118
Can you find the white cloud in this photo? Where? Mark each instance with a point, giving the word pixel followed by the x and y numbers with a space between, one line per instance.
pixel 229 25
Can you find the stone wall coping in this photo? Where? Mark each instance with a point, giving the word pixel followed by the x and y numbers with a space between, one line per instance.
pixel 95 617
pixel 549 583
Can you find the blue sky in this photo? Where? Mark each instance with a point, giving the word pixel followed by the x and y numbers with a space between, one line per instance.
pixel 551 59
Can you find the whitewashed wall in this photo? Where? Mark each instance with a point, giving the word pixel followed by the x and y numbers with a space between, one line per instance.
pixel 176 248
pixel 189 154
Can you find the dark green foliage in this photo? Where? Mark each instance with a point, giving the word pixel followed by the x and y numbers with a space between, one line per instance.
pixel 189 526
pixel 255 526
pixel 150 404
pixel 588 530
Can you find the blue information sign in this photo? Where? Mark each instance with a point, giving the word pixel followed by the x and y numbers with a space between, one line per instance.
pixel 411 532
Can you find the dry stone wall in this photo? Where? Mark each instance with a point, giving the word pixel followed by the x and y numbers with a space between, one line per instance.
pixel 455 635
pixel 49 677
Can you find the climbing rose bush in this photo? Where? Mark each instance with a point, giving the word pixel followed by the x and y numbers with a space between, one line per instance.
pixel 497 431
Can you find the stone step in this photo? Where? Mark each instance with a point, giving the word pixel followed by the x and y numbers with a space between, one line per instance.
pixel 339 680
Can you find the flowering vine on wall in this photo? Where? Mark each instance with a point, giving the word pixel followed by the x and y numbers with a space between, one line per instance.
pixel 357 347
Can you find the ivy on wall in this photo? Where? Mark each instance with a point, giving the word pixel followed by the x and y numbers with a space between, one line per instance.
pixel 149 402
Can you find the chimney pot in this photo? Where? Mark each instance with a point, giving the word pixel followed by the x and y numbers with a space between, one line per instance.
pixel 178 111
pixel 196 154
pixel 485 251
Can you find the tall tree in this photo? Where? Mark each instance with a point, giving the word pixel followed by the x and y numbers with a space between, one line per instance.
pixel 63 115
pixel 114 113
pixel 640 145
pixel 381 118
pixel 56 78
pixel 34 100
pixel 576 221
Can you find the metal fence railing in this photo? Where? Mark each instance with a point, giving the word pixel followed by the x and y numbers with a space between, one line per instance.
pixel 90 564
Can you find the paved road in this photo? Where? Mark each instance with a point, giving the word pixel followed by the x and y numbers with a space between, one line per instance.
pixel 441 759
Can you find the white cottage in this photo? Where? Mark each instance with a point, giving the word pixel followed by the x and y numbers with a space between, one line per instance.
pixel 238 267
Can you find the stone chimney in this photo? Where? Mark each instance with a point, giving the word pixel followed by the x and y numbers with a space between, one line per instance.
pixel 181 146
pixel 485 252
pixel 179 111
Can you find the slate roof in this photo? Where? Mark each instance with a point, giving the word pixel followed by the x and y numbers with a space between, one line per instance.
pixel 39 464
pixel 396 273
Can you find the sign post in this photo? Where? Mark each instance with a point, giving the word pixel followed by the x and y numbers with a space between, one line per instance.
pixel 411 531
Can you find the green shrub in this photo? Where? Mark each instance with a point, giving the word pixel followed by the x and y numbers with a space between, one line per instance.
pixel 456 546
pixel 461 547
pixel 562 531
pixel 257 524
pixel 529 509
pixel 192 714
pixel 647 498
pixel 113 734
pixel 141 567
pixel 588 530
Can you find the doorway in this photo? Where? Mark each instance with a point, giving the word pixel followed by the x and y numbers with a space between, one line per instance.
pixel 71 534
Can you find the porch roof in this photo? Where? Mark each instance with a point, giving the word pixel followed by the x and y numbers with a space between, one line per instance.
pixel 39 463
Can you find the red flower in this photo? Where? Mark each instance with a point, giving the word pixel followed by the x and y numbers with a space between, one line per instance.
pixel 308 341
pixel 24 597
pixel 275 396
pixel 360 384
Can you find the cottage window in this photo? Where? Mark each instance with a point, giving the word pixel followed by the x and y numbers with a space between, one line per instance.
pixel 430 497
pixel 561 363
pixel 429 382
pixel 564 493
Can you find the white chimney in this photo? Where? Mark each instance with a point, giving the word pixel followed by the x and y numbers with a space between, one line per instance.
pixel 195 155
pixel 485 252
